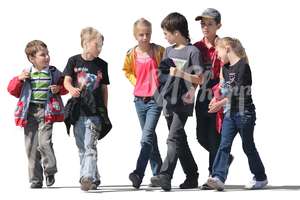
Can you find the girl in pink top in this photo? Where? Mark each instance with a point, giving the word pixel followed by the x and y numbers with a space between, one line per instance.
pixel 140 68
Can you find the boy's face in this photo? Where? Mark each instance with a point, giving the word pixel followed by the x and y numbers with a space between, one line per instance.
pixel 142 34
pixel 41 59
pixel 209 27
pixel 94 47
pixel 170 37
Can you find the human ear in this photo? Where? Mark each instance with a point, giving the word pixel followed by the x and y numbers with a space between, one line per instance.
pixel 31 59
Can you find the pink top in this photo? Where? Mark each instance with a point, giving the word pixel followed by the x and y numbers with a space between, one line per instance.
pixel 146 76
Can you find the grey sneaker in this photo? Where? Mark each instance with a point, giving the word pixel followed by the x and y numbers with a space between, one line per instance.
pixel 165 182
pixel 254 184
pixel 215 183
pixel 155 181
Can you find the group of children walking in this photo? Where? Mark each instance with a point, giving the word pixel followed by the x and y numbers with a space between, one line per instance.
pixel 164 80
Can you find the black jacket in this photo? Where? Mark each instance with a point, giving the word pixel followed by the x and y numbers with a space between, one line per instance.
pixel 86 102
pixel 171 89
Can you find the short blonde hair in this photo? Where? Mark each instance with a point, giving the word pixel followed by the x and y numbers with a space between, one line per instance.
pixel 142 21
pixel 33 47
pixel 235 45
pixel 89 33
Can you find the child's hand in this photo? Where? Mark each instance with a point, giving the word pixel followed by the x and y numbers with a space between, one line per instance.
pixel 75 92
pixel 215 106
pixel 214 100
pixel 198 79
pixel 175 72
pixel 24 75
pixel 54 89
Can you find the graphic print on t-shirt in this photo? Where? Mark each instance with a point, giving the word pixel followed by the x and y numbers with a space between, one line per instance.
pixel 88 80
pixel 180 63
pixel 232 80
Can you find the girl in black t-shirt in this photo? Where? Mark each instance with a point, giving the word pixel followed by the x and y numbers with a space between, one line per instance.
pixel 239 115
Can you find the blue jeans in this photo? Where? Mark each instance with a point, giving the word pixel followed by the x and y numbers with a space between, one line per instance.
pixel 86 141
pixel 148 113
pixel 244 124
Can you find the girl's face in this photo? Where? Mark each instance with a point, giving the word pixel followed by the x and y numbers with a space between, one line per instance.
pixel 142 34
pixel 41 59
pixel 93 47
pixel 222 53
pixel 209 27
pixel 170 37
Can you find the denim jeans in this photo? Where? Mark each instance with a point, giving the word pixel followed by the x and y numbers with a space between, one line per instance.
pixel 86 141
pixel 148 114
pixel 244 124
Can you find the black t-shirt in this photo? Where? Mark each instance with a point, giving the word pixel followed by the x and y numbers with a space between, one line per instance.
pixel 238 80
pixel 90 73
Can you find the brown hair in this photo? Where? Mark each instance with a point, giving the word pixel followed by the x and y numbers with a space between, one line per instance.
pixel 142 21
pixel 235 45
pixel 176 22
pixel 33 47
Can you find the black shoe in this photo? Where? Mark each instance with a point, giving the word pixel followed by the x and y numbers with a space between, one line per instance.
pixel 189 183
pixel 36 185
pixel 136 180
pixel 165 182
pixel 205 186
pixel 50 180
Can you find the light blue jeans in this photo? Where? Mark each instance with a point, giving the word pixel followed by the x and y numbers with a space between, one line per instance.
pixel 86 141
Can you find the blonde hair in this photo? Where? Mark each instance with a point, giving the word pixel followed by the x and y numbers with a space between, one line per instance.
pixel 89 33
pixel 235 45
pixel 142 21
pixel 33 47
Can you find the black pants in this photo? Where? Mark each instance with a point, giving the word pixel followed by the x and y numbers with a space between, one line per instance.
pixel 178 148
pixel 207 134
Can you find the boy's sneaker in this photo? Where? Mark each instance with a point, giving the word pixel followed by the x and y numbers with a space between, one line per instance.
pixel 50 180
pixel 189 183
pixel 215 183
pixel 36 185
pixel 254 184
pixel 165 182
pixel 136 180
pixel 86 183
pixel 155 181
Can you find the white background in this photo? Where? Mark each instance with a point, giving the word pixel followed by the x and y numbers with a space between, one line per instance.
pixel 268 30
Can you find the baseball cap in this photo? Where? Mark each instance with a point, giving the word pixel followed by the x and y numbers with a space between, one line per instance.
pixel 210 13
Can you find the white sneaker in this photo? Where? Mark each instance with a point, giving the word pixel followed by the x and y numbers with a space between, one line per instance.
pixel 254 184
pixel 215 183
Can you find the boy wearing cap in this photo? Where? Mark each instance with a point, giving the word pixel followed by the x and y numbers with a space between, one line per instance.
pixel 209 124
